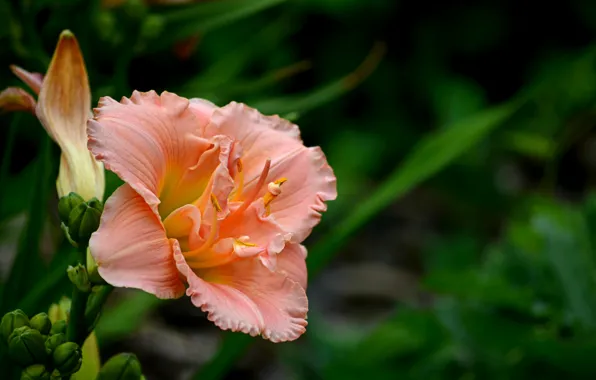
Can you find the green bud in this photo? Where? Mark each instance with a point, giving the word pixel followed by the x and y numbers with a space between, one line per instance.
pixel 26 346
pixel 123 366
pixel 59 327
pixel 67 358
pixel 35 372
pixel 96 204
pixel 54 341
pixel 83 221
pixel 41 322
pixel 12 321
pixel 78 276
pixel 67 203
pixel 92 269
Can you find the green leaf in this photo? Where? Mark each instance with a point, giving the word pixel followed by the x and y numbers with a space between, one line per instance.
pixel 206 16
pixel 27 263
pixel 567 246
pixel 54 284
pixel 305 102
pixel 474 286
pixel 431 155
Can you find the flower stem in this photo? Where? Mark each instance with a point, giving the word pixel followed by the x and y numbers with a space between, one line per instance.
pixel 77 328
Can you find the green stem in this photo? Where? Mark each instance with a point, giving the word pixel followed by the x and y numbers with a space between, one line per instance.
pixel 77 326
pixel 96 301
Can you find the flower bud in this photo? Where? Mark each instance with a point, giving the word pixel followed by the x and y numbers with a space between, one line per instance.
pixel 54 341
pixel 59 327
pixel 12 321
pixel 41 322
pixel 67 358
pixel 83 221
pixel 67 203
pixel 26 346
pixel 92 269
pixel 123 366
pixel 78 276
pixel 35 372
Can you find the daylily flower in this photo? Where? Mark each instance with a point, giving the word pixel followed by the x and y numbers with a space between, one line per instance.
pixel 63 107
pixel 217 201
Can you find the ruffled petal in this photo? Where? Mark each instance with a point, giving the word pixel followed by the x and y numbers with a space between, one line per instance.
pixel 310 183
pixel 253 228
pixel 291 262
pixel 310 180
pixel 131 248
pixel 245 296
pixel 202 109
pixel 149 140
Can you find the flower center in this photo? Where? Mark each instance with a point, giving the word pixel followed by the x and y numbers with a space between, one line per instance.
pixel 211 235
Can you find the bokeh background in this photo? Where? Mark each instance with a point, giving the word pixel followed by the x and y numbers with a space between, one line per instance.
pixel 463 242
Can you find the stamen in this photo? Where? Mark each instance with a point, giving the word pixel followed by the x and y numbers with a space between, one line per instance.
pixel 215 204
pixel 274 189
pixel 255 191
pixel 240 186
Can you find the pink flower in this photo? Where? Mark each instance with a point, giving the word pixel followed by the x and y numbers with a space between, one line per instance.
pixel 216 199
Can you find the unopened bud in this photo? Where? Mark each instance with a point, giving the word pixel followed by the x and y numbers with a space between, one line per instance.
pixel 68 203
pixel 83 221
pixel 26 346
pixel 59 327
pixel 54 341
pixel 78 276
pixel 35 372
pixel 67 358
pixel 92 269
pixel 12 321
pixel 41 322
pixel 123 366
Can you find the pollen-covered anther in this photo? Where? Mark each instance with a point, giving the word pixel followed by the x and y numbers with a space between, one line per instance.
pixel 215 203
pixel 273 190
pixel 244 248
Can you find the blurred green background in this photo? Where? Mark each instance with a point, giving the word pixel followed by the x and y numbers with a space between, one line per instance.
pixel 463 241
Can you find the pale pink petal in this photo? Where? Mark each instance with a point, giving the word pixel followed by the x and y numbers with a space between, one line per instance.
pixel 291 262
pixel 131 248
pixel 148 140
pixel 210 176
pixel 202 109
pixel 33 80
pixel 16 99
pixel 252 226
pixel 310 180
pixel 310 184
pixel 245 296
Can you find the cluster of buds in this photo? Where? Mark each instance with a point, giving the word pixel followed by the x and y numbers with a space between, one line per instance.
pixel 42 350
pixel 79 218
pixel 39 347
